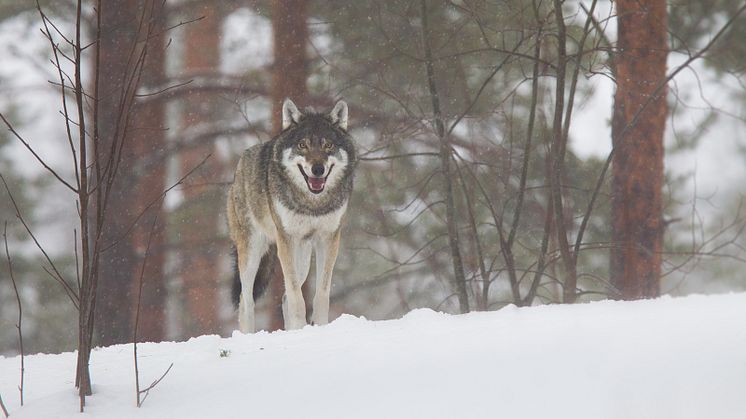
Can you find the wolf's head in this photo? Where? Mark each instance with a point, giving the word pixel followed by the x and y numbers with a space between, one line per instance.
pixel 314 149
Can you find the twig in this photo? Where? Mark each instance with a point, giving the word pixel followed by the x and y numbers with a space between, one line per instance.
pixel 445 163
pixel 2 406
pixel 153 202
pixel 484 85
pixel 61 73
pixel 87 298
pixel 505 250
pixel 33 152
pixel 398 156
pixel 20 309
pixel 146 391
pixel 138 392
pixel 57 275
pixel 483 303
pixel 557 151
pixel 529 135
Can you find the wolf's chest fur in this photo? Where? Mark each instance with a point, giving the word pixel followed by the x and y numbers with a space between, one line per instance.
pixel 306 226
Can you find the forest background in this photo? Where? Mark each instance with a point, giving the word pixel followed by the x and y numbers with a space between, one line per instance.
pixel 455 206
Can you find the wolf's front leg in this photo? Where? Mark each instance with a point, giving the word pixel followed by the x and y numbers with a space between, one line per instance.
pixel 294 308
pixel 246 322
pixel 326 255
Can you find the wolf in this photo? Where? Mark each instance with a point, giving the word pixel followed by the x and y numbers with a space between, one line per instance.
pixel 289 197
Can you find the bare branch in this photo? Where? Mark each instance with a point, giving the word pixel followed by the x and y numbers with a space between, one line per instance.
pixel 36 156
pixel 445 160
pixel 486 81
pixel 529 136
pixel 20 308
pixel 146 391
pixel 61 75
pixel 477 244
pixel 138 392
pixel 399 156
pixel 57 275
pixel 2 406
pixel 153 202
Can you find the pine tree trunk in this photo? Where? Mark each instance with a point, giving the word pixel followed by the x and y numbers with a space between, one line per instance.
pixel 116 265
pixel 289 74
pixel 638 125
pixel 199 222
pixel 147 139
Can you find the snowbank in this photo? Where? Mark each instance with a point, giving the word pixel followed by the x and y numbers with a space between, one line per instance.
pixel 669 358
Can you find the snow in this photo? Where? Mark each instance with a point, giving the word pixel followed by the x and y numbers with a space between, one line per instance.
pixel 665 358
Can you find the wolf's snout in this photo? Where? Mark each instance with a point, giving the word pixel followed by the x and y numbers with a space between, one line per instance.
pixel 317 170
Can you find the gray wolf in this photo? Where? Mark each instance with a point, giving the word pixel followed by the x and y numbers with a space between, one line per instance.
pixel 289 197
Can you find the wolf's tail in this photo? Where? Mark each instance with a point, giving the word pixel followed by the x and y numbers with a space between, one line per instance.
pixel 263 275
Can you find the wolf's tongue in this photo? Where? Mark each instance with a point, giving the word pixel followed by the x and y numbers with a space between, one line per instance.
pixel 316 183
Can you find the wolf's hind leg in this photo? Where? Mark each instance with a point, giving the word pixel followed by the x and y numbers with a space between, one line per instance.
pixel 249 256
pixel 326 256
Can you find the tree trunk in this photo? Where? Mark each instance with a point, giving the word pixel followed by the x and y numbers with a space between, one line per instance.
pixel 112 311
pixel 122 32
pixel 459 279
pixel 289 74
pixel 638 125
pixel 147 139
pixel 198 224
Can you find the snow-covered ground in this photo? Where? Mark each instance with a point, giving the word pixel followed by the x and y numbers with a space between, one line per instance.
pixel 669 358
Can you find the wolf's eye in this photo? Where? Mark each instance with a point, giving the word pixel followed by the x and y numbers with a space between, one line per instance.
pixel 328 147
pixel 302 145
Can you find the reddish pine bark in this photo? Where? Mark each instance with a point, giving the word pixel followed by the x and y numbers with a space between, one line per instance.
pixel 289 74
pixel 113 322
pixel 199 223
pixel 134 187
pixel 289 71
pixel 638 125
pixel 148 138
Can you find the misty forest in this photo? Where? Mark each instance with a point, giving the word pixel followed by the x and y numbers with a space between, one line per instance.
pixel 510 153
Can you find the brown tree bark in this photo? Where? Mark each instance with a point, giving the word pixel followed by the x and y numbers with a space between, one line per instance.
pixel 148 137
pixel 113 312
pixel 290 68
pixel 638 125
pixel 121 34
pixel 289 74
pixel 198 223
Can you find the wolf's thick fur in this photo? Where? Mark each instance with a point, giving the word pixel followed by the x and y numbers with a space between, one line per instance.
pixel 289 196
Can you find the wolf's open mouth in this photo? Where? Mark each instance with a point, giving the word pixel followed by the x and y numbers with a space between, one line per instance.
pixel 315 184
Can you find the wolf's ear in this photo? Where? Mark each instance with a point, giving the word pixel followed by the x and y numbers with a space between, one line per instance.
pixel 290 113
pixel 339 114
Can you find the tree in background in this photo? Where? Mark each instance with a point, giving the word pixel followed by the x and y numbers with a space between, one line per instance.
pixel 46 310
pixel 717 263
pixel 98 127
pixel 638 124
pixel 506 133
pixel 119 29
pixel 497 68
pixel 194 222
pixel 149 173
pixel 289 74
